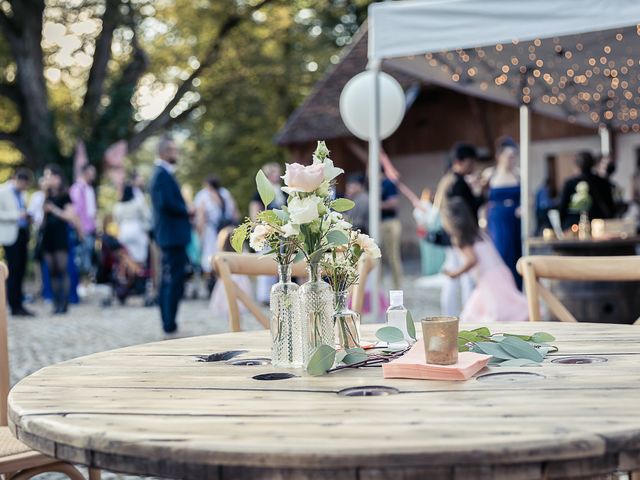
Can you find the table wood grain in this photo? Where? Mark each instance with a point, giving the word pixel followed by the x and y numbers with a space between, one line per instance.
pixel 154 409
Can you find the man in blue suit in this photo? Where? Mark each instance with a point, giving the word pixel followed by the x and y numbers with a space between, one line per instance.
pixel 172 231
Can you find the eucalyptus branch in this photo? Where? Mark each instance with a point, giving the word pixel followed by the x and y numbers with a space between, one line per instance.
pixel 372 360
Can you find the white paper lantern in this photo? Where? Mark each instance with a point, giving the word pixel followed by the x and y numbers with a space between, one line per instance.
pixel 355 104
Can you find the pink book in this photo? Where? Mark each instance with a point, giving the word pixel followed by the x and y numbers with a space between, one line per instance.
pixel 413 365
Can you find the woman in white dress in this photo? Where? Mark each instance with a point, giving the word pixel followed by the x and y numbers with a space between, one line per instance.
pixel 133 217
pixel 215 209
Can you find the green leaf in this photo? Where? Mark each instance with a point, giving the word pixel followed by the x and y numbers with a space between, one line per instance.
pixel 238 236
pixel 336 237
pixel 491 348
pixel 411 327
pixel 542 337
pixel 519 362
pixel 526 338
pixel 342 205
pixel 321 360
pixel 354 357
pixel 299 256
pixel 340 354
pixel 518 348
pixel 265 189
pixel 390 334
pixel 282 215
pixel 482 332
pixel 468 336
pixel 270 217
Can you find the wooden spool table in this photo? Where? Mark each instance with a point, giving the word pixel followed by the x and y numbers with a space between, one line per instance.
pixel 153 409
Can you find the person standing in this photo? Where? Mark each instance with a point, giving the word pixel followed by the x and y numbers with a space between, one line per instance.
pixel 391 229
pixel 172 231
pixel 454 186
pixel 14 236
pixel 356 192
pixel 59 215
pixel 133 218
pixel 503 207
pixel 83 197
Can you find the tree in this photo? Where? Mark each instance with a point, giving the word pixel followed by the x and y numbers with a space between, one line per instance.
pixel 106 113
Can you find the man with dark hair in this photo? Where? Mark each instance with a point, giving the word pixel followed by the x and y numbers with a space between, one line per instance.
pixel 14 235
pixel 172 231
pixel 462 162
pixel 602 204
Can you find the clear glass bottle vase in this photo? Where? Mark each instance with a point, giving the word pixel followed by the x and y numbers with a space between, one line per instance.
pixel 346 322
pixel 316 300
pixel 287 341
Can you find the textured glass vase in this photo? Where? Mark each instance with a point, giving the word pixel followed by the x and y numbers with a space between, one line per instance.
pixel 346 322
pixel 316 300
pixel 287 341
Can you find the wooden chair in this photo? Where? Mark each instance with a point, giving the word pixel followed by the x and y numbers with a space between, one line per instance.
pixel 228 263
pixel 533 268
pixel 17 461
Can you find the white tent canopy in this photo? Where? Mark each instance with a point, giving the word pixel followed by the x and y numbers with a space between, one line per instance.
pixel 578 60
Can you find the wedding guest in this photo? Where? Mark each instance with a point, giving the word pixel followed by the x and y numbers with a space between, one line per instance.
pixel 503 207
pixel 391 229
pixel 133 217
pixel 14 236
pixel 602 205
pixel 356 191
pixel 172 231
pixel 59 217
pixel 83 197
pixel 495 297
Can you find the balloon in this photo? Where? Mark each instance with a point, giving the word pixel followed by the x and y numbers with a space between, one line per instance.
pixel 355 102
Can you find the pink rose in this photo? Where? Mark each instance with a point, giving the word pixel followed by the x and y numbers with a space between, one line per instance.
pixel 299 178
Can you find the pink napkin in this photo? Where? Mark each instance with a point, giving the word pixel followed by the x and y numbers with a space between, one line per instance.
pixel 413 365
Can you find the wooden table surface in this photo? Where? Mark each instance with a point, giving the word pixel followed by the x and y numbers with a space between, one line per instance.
pixel 153 409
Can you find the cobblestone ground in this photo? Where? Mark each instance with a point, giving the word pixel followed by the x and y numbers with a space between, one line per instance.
pixel 89 327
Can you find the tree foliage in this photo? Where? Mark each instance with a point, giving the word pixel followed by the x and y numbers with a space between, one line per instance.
pixel 226 73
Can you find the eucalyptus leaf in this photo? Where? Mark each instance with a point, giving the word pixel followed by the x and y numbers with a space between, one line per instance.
pixel 482 331
pixel 336 237
pixel 491 348
pixel 390 334
pixel 521 349
pixel 340 354
pixel 282 215
pixel 519 362
pixel 468 336
pixel 265 189
pixel 342 204
pixel 321 360
pixel 351 358
pixel 299 256
pixel 411 327
pixel 542 337
pixel 355 350
pixel 526 338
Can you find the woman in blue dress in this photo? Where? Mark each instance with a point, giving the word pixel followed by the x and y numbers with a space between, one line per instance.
pixel 503 207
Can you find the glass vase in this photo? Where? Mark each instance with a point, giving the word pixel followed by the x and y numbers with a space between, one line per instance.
pixel 346 322
pixel 316 300
pixel 287 341
pixel 584 227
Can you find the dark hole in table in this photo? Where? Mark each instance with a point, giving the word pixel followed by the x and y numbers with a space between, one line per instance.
pixel 368 391
pixel 248 362
pixel 220 356
pixel 273 376
pixel 579 360
pixel 510 377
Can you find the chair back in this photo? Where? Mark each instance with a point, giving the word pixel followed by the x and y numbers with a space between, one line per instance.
pixel 228 263
pixel 533 268
pixel 4 346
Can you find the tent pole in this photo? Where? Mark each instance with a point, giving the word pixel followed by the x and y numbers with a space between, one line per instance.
pixel 525 170
pixel 374 178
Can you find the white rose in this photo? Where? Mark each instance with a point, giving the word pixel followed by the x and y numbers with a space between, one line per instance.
pixel 258 238
pixel 331 172
pixel 303 210
pixel 368 245
pixel 290 230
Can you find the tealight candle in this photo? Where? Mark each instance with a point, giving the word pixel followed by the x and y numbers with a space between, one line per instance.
pixel 440 336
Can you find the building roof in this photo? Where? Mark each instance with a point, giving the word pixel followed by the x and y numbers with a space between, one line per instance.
pixel 319 115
